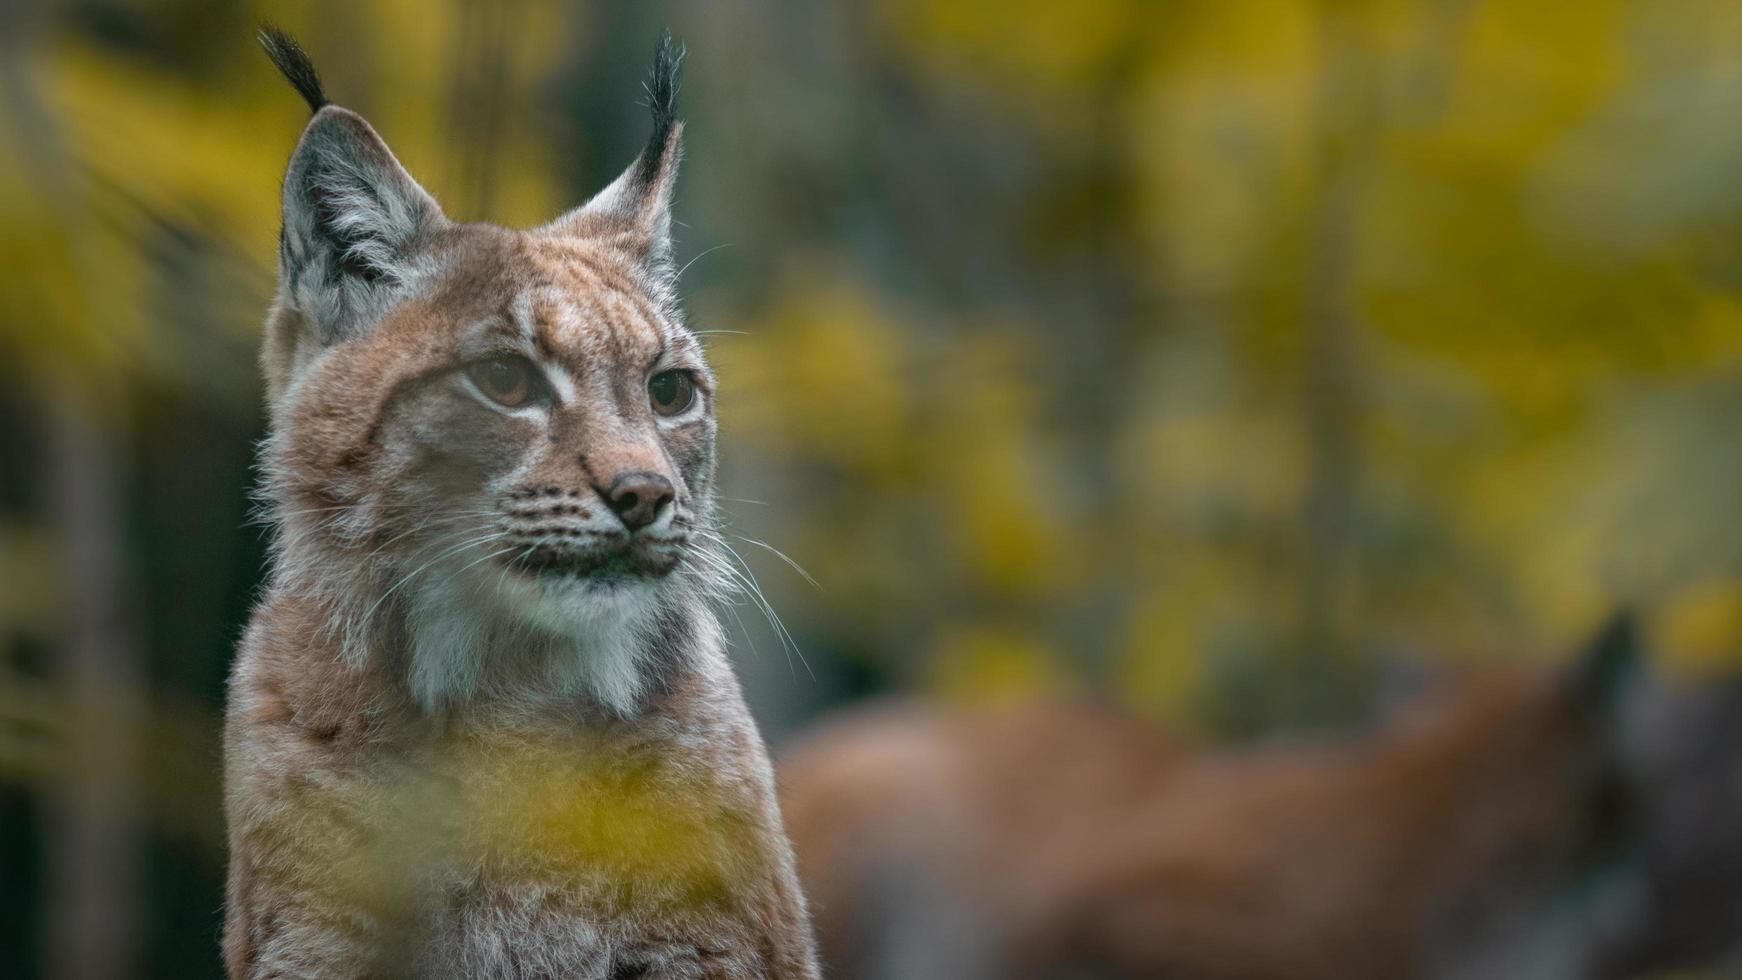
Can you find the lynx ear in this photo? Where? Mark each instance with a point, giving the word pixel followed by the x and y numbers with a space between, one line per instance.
pixel 634 212
pixel 353 216
pixel 352 220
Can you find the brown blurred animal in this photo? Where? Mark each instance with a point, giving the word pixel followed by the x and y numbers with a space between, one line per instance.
pixel 482 724
pixel 1522 825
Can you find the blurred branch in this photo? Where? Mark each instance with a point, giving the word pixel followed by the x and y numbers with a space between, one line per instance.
pixel 1347 133
pixel 94 863
pixel 479 96
pixel 175 753
pixel 1351 122
pixel 95 878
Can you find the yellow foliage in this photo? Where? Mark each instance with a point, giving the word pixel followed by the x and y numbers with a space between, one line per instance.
pixel 982 453
pixel 188 152
pixel 821 374
pixel 1465 271
pixel 1222 133
pixel 1160 668
pixel 31 580
pixel 992 665
pixel 1036 46
pixel 1699 630
pixel 1198 466
pixel 587 808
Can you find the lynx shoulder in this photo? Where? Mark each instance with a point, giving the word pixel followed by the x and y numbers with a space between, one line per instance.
pixel 482 723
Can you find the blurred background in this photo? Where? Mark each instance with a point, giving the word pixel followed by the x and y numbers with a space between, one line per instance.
pixel 1215 358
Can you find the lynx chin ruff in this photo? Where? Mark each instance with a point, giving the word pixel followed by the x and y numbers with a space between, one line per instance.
pixel 482 723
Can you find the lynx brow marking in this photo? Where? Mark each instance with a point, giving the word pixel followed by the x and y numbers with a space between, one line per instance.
pixel 560 382
pixel 532 326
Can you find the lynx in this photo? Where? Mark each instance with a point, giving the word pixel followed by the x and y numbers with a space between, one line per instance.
pixel 482 723
pixel 1518 826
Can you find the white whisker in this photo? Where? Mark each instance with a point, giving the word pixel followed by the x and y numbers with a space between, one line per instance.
pixel 698 258
pixel 493 535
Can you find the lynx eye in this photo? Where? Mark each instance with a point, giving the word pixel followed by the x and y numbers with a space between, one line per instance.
pixel 670 392
pixel 507 381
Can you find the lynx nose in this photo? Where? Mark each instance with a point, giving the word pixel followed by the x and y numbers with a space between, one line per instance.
pixel 638 498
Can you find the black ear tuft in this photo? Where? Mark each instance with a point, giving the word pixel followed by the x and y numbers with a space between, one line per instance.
pixel 662 85
pixel 295 64
pixel 634 211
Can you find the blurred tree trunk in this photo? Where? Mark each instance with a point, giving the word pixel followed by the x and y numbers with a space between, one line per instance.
pixel 1331 397
pixel 93 867
pixel 1352 116
pixel 94 874
pixel 479 98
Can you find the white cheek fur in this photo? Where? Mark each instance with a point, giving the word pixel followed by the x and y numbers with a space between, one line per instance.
pixel 590 637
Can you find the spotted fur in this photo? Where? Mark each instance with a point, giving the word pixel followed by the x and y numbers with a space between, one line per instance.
pixel 481 725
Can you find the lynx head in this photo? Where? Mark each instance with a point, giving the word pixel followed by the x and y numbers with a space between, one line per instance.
pixel 500 442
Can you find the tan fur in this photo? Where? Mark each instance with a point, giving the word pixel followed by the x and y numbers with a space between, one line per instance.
pixel 1063 838
pixel 370 839
pixel 440 763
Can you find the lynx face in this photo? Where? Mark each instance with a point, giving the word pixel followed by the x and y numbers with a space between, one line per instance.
pixel 505 439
